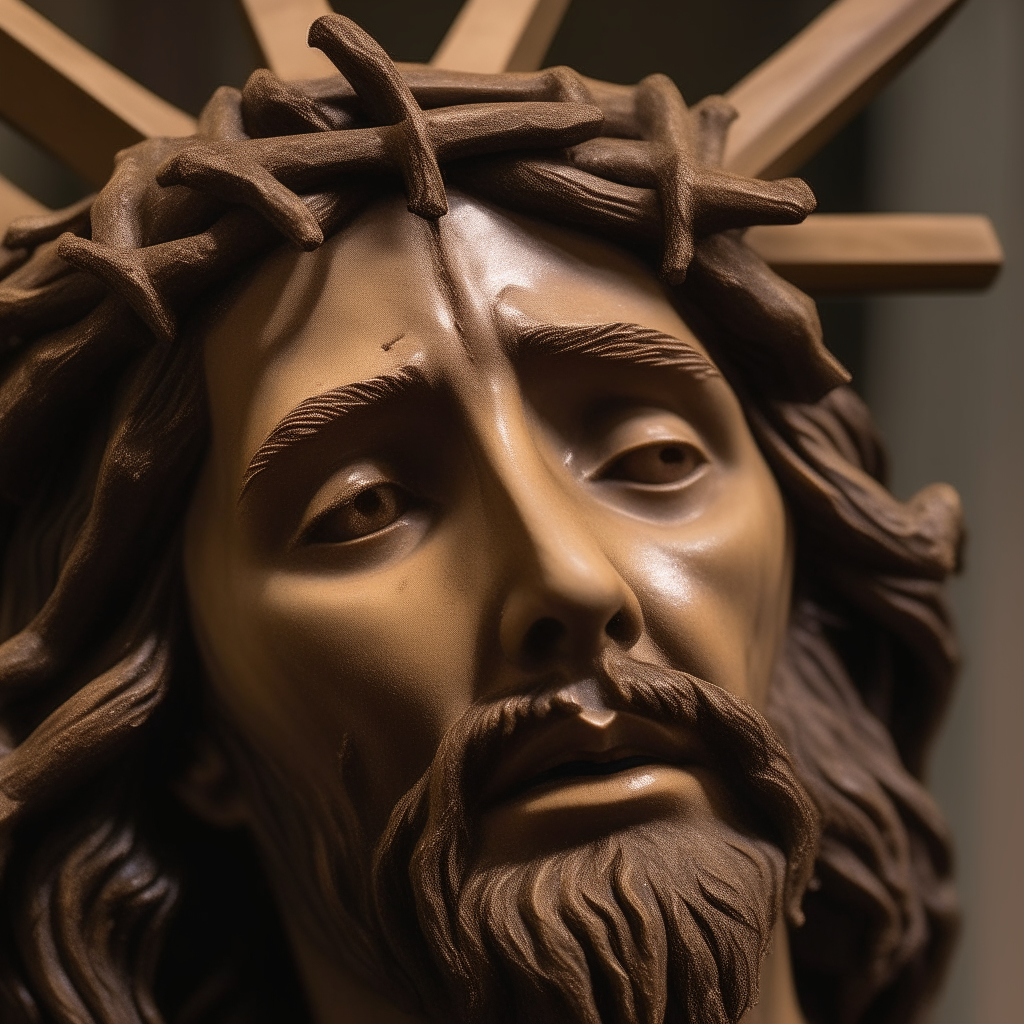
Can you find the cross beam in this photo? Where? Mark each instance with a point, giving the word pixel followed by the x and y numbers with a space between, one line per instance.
pixel 500 35
pixel 281 28
pixel 77 106
pixel 15 203
pixel 882 252
pixel 793 103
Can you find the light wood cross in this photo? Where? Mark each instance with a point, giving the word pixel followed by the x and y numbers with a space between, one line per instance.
pixel 83 111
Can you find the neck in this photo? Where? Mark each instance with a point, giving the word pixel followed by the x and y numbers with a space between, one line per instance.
pixel 778 1003
pixel 338 997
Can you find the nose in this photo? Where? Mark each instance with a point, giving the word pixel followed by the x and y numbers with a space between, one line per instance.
pixel 565 599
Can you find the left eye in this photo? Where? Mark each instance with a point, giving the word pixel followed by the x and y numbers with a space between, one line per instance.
pixel 667 462
pixel 370 511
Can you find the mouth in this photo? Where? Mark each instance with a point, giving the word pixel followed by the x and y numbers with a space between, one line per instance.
pixel 585 768
pixel 577 750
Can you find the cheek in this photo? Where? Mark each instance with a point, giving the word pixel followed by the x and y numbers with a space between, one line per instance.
pixel 380 663
pixel 715 593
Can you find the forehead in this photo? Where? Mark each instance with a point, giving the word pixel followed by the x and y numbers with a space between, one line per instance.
pixel 394 290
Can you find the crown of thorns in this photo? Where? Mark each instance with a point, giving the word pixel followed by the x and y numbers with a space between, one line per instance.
pixel 633 163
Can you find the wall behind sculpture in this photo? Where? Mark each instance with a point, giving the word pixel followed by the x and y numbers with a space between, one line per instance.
pixel 942 373
pixel 944 376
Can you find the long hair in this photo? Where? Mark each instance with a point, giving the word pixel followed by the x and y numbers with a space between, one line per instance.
pixel 117 908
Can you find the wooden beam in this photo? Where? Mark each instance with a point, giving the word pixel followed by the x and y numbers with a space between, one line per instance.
pixel 77 106
pixel 15 203
pixel 281 28
pixel 882 252
pixel 796 100
pixel 500 35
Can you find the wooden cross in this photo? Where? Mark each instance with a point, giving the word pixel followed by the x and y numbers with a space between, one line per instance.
pixel 83 111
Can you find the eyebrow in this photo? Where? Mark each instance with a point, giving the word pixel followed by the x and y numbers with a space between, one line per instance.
pixel 630 344
pixel 312 414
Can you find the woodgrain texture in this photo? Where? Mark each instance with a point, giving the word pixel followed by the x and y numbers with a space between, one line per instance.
pixel 70 101
pixel 500 35
pixel 797 99
pixel 280 27
pixel 882 251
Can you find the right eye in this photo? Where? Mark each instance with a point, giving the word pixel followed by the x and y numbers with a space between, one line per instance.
pixel 667 462
pixel 367 512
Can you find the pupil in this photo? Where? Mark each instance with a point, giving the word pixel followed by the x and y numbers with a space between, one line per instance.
pixel 673 454
pixel 366 503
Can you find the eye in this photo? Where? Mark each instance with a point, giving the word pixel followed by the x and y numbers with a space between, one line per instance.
pixel 666 462
pixel 369 511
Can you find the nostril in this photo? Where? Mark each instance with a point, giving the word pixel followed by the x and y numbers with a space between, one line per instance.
pixel 618 628
pixel 542 638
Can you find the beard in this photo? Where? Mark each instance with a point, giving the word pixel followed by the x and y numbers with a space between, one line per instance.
pixel 664 920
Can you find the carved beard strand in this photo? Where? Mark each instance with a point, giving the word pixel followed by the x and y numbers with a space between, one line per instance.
pixel 665 921
pixel 660 922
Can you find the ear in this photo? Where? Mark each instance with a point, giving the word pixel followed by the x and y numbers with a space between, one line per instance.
pixel 208 785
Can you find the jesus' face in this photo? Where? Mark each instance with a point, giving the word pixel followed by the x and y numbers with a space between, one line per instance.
pixel 461 463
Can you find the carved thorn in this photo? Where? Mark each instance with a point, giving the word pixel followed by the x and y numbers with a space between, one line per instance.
pixel 387 99
pixel 235 174
pixel 725 201
pixel 28 232
pixel 712 117
pixel 125 273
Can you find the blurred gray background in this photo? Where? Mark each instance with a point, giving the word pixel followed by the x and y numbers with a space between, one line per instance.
pixel 943 373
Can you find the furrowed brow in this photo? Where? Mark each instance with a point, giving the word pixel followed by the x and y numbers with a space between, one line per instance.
pixel 619 342
pixel 314 414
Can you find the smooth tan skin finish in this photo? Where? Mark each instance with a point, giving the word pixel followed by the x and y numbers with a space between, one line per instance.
pixel 379 577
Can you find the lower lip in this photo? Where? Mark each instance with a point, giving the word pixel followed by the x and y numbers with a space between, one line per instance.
pixel 582 808
pixel 640 782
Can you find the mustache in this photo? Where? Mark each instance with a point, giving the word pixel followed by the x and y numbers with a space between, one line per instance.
pixel 436 816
